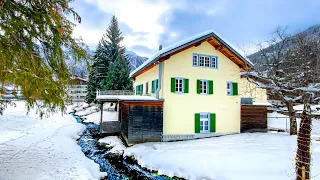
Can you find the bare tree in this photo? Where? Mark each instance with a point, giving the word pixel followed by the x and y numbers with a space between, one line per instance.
pixel 293 72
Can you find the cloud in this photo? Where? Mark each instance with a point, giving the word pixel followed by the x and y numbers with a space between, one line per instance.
pixel 143 17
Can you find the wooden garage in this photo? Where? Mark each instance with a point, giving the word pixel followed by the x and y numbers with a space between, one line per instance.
pixel 254 117
pixel 141 121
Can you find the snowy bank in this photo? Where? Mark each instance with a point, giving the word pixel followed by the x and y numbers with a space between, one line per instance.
pixel 115 143
pixel 34 148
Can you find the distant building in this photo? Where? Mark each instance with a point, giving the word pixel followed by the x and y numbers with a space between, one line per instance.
pixel 78 89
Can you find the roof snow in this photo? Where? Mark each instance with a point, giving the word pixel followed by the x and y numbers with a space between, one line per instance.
pixel 194 38
pixel 126 97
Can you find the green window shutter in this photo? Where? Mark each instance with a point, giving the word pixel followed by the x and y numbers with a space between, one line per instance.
pixel 198 86
pixel 197 123
pixel 210 87
pixel 212 122
pixel 152 87
pixel 235 88
pixel 156 84
pixel 173 84
pixel 137 90
pixel 186 85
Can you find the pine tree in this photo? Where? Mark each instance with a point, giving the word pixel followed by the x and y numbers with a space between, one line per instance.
pixel 119 68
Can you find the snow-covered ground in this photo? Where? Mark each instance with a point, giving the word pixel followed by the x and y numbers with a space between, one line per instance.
pixel 34 148
pixel 91 114
pixel 246 156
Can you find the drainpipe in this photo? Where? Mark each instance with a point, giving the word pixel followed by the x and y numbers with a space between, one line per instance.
pixel 159 79
pixel 159 76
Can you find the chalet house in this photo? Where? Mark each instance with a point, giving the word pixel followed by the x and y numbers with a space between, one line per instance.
pixel 198 81
pixel 77 89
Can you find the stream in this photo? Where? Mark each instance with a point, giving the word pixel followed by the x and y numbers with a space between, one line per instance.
pixel 115 165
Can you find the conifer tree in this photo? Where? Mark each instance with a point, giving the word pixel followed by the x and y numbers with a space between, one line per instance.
pixel 119 68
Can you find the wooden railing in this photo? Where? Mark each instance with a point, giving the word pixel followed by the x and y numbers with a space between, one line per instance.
pixel 115 92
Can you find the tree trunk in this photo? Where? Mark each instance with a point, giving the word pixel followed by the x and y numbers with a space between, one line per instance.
pixel 303 156
pixel 293 121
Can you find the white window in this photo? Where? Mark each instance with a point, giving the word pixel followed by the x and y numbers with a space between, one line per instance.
pixel 204 122
pixel 207 61
pixel 201 61
pixel 195 60
pixel 229 88
pixel 204 87
pixel 213 62
pixel 179 85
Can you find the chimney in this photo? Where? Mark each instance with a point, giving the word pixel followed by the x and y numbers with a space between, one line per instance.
pixel 160 47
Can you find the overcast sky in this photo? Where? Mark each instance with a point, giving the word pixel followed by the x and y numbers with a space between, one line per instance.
pixel 146 24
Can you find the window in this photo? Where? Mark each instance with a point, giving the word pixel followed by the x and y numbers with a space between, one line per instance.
pixel 154 86
pixel 205 61
pixel 139 89
pixel 232 88
pixel 195 60
pixel 229 88
pixel 179 85
pixel 201 61
pixel 204 87
pixel 147 87
pixel 204 122
pixel 214 62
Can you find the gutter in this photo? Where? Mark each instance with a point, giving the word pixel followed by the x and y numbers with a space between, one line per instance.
pixel 159 79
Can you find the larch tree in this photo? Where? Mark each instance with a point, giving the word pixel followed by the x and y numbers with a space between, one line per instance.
pixel 35 39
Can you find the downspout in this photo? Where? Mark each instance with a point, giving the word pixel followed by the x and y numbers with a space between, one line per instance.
pixel 159 79
pixel 159 76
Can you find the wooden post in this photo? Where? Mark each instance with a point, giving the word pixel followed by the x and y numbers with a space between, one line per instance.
pixel 101 117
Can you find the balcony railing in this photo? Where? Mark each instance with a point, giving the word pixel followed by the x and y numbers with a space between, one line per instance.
pixel 115 92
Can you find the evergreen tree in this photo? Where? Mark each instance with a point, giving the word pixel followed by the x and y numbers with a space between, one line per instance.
pixel 93 84
pixel 119 67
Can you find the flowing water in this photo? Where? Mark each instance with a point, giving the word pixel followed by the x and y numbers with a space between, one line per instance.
pixel 116 166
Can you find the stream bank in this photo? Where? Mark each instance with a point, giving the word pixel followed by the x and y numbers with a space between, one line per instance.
pixel 115 165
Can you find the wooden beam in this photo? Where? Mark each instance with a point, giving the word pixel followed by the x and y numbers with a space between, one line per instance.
pixel 197 44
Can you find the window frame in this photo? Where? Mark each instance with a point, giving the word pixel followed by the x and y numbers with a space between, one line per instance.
pixel 182 85
pixel 207 86
pixel 208 119
pixel 204 61
pixel 230 89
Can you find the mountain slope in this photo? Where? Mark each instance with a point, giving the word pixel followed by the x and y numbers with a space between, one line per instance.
pixel 135 60
pixel 312 32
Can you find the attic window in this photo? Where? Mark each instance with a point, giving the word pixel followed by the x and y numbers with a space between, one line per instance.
pixel 205 61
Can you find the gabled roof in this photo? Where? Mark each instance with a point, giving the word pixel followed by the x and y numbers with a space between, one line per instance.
pixel 216 41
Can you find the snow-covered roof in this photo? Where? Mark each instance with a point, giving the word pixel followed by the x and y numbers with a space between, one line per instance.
pixel 126 97
pixel 184 43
